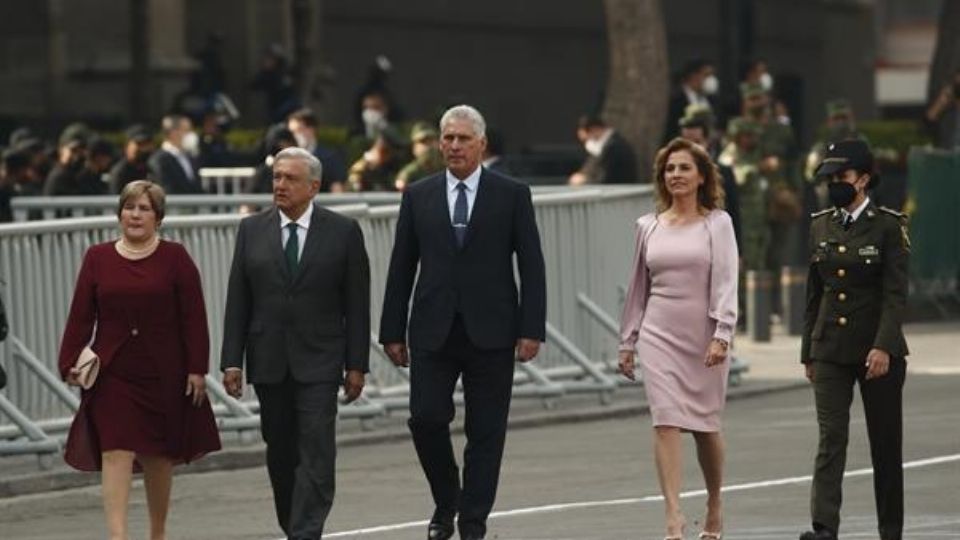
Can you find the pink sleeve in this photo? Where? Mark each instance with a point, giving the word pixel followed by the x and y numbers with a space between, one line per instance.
pixel 636 300
pixel 724 275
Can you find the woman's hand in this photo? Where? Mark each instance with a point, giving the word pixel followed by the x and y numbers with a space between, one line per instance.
pixel 627 366
pixel 716 353
pixel 73 377
pixel 878 364
pixel 196 387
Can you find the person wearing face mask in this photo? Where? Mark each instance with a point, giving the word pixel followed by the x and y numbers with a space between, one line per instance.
pixel 133 165
pixel 856 297
pixel 698 85
pixel 610 158
pixel 174 164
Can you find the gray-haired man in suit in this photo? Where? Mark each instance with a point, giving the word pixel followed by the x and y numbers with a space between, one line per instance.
pixel 298 307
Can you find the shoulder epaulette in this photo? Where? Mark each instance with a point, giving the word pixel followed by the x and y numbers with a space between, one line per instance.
pixel 824 212
pixel 892 212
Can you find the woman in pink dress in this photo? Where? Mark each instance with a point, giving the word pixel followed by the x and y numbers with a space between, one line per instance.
pixel 138 304
pixel 679 318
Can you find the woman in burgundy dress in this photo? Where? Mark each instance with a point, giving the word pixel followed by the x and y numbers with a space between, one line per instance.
pixel 139 305
pixel 678 319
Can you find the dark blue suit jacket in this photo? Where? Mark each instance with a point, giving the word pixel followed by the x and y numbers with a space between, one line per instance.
pixel 475 281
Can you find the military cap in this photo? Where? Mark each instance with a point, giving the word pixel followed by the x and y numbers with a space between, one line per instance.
pixel 838 106
pixel 138 133
pixel 697 115
pixel 751 89
pixel 742 125
pixel 76 132
pixel 21 134
pixel 421 131
pixel 849 154
pixel 392 137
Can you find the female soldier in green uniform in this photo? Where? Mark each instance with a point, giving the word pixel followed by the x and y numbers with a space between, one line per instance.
pixel 856 295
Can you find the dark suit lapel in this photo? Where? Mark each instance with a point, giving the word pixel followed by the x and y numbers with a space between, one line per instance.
pixel 314 241
pixel 276 250
pixel 480 204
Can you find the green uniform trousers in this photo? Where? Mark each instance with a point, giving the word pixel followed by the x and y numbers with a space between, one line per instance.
pixel 882 404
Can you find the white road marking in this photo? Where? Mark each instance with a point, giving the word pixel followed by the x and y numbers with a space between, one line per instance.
pixel 561 507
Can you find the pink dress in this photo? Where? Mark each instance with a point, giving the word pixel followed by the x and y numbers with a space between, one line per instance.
pixel 682 294
pixel 676 331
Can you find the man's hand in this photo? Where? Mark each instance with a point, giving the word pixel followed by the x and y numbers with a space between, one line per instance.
pixel 878 363
pixel 527 349
pixel 808 371
pixel 233 382
pixel 397 353
pixel 627 365
pixel 353 384
pixel 196 387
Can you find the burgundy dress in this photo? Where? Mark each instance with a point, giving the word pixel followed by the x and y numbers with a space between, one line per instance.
pixel 149 327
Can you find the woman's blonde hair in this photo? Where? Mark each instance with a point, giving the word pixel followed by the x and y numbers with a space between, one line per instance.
pixel 709 194
pixel 155 193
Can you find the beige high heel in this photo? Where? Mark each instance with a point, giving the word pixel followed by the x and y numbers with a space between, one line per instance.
pixel 705 535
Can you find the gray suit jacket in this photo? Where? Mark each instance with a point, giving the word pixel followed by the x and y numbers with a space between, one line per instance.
pixel 313 325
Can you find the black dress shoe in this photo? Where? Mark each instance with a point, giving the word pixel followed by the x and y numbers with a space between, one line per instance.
pixel 820 534
pixel 439 531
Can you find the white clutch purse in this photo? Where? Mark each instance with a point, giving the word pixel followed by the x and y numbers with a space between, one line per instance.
pixel 87 368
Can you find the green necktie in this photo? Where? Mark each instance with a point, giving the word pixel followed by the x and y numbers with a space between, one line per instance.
pixel 292 249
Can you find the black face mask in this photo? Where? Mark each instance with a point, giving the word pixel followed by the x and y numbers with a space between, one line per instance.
pixel 841 193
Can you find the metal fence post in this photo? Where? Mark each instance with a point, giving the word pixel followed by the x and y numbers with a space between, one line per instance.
pixel 759 284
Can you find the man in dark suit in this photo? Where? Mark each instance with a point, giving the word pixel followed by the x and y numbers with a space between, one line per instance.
pixel 463 227
pixel 610 158
pixel 174 164
pixel 298 305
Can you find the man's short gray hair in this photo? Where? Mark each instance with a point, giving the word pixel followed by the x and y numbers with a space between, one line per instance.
pixel 314 166
pixel 468 113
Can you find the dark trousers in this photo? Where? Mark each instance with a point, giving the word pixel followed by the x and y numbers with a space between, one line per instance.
pixel 298 421
pixel 883 409
pixel 487 385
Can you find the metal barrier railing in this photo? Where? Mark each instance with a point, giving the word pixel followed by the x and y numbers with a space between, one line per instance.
pixel 587 237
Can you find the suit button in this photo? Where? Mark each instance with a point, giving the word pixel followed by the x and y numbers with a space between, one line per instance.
pixel 842 321
pixel 842 249
pixel 842 297
pixel 134 332
pixel 841 272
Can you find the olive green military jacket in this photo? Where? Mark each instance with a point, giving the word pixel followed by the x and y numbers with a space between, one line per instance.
pixel 856 286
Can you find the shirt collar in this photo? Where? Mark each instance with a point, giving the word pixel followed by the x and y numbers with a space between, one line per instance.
pixel 169 147
pixel 859 210
pixel 303 221
pixel 472 181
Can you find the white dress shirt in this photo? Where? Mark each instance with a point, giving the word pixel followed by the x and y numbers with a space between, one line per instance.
pixel 303 226
pixel 859 210
pixel 472 182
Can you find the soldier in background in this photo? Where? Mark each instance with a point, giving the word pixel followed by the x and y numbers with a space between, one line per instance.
pixel 743 156
pixel 377 168
pixel 427 159
pixel 133 165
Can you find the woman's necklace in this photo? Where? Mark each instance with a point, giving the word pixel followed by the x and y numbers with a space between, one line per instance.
pixel 136 253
